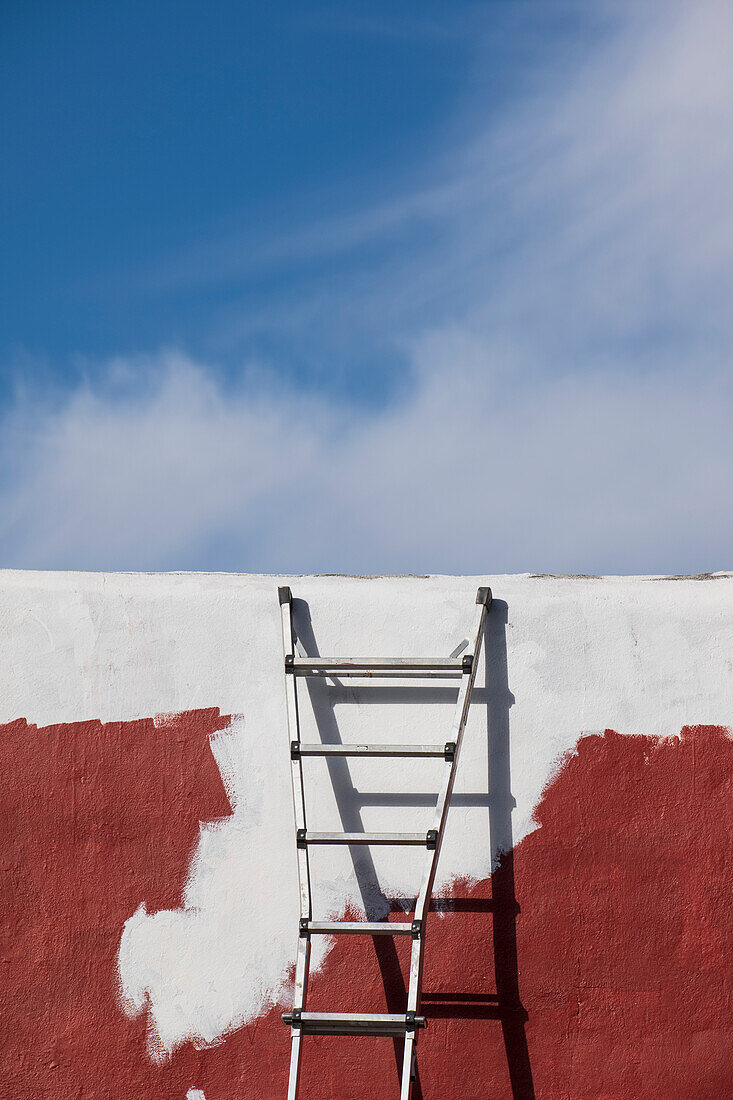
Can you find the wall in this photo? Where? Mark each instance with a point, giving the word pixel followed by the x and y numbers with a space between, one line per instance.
pixel 580 941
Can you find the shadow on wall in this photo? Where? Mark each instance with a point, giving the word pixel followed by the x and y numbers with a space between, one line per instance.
pixel 505 1004
pixel 505 909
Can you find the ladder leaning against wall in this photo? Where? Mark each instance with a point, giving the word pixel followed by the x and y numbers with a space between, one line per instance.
pixel 409 1022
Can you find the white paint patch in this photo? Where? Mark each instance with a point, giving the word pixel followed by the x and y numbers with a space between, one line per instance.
pixel 564 656
pixel 222 958
pixel 195 1094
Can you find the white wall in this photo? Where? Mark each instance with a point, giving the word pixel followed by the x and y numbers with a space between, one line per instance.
pixel 565 656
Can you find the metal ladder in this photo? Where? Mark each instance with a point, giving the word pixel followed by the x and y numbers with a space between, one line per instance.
pixel 463 667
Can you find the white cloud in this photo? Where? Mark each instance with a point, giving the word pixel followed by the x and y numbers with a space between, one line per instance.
pixel 470 472
pixel 567 329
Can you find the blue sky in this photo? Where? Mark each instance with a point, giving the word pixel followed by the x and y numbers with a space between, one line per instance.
pixel 154 149
pixel 347 288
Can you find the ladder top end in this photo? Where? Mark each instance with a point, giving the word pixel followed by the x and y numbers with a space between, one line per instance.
pixel 484 596
pixel 286 596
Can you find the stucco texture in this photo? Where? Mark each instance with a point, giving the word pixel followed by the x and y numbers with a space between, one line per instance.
pixel 580 942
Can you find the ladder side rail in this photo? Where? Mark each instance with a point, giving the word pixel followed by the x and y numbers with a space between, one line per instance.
pixel 417 954
pixel 463 704
pixel 408 1065
pixel 302 964
pixel 296 1057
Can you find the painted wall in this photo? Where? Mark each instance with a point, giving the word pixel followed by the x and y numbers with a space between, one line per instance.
pixel 581 942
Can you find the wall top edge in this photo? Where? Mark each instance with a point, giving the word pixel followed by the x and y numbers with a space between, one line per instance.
pixel 16 576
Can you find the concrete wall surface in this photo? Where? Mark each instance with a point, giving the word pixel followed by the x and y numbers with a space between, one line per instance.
pixel 580 941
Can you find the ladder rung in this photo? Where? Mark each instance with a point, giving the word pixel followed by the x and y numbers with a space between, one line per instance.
pixel 354 1023
pixel 368 750
pixel 308 837
pixel 370 666
pixel 359 928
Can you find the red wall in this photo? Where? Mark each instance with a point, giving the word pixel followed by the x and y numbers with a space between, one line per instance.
pixel 594 964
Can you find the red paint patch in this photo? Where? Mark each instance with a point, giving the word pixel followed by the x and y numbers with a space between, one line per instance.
pixel 95 819
pixel 620 952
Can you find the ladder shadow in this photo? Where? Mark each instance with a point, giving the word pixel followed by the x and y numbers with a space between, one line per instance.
pixel 505 1004
pixel 505 909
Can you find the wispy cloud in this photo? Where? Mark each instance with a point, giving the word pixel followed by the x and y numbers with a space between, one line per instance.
pixel 558 285
pixel 592 207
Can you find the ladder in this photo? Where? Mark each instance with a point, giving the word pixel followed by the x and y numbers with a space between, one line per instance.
pixel 461 667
